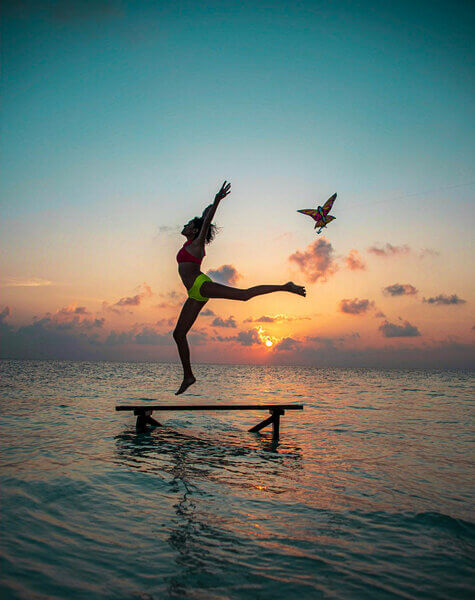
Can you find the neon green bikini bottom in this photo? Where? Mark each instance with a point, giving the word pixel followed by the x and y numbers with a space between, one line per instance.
pixel 194 291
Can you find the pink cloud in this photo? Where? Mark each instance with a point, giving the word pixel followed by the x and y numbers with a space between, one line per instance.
pixel 226 274
pixel 317 261
pixel 354 262
pixel 129 301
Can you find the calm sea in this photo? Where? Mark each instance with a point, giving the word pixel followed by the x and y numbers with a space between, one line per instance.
pixel 368 494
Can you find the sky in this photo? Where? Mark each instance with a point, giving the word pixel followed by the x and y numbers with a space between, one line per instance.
pixel 120 120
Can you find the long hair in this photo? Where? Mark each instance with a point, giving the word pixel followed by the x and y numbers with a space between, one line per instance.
pixel 212 229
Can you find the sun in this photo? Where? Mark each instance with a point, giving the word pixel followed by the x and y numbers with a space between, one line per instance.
pixel 267 340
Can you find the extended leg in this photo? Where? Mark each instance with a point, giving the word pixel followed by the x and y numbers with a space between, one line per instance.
pixel 210 289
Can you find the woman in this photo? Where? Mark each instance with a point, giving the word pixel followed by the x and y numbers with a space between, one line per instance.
pixel 198 232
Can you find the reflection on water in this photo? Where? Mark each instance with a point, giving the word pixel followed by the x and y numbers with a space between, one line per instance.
pixel 204 539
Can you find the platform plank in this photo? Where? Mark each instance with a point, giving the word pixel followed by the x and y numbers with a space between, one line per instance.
pixel 172 407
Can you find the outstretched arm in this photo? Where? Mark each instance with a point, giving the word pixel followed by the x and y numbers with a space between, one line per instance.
pixel 210 211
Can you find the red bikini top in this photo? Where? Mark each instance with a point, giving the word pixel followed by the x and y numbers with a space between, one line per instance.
pixel 184 256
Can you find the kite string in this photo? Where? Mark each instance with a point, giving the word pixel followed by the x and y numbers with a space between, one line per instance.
pixel 411 195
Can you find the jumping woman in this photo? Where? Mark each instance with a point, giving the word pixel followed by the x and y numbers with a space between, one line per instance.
pixel 198 232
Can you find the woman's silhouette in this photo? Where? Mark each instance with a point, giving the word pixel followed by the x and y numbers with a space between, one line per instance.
pixel 198 232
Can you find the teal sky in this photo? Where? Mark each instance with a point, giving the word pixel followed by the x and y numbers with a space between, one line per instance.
pixel 121 119
pixel 160 98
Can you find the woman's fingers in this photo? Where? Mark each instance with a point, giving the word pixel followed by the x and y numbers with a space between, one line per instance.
pixel 224 191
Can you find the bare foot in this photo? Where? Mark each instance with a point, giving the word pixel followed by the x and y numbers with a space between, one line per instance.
pixel 295 289
pixel 185 384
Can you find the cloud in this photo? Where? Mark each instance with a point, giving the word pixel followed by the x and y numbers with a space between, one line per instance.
pixel 226 274
pixel 398 289
pixel 391 330
pixel 354 262
pixel 68 311
pixel 380 315
pixel 263 319
pixel 70 317
pixel 317 261
pixel 218 322
pixel 389 250
pixel 442 299
pixel 151 337
pixel 198 337
pixel 355 306
pixel 244 338
pixel 274 319
pixel 118 339
pixel 248 338
pixel 143 335
pixel 172 300
pixel 64 335
pixel 129 301
pixel 428 252
pixel 207 312
pixel 46 338
pixel 30 282
pixel 6 312
pixel 325 341
pixel 286 344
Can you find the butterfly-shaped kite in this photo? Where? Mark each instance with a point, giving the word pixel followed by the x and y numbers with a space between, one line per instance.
pixel 320 214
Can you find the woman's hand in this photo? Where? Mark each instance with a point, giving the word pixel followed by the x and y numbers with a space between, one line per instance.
pixel 223 192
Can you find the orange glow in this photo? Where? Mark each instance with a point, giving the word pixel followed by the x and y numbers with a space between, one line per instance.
pixel 266 339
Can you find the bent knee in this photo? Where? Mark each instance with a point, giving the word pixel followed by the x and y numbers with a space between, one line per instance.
pixel 179 334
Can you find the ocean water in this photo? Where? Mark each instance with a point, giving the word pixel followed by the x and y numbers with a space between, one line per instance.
pixel 367 494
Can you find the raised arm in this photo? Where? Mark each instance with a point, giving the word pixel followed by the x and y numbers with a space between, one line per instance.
pixel 210 211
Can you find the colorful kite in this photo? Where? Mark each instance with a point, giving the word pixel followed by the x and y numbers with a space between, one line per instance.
pixel 320 214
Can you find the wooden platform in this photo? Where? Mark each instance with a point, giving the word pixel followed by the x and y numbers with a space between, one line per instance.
pixel 144 412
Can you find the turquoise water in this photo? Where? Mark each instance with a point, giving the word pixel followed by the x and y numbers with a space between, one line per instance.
pixel 368 494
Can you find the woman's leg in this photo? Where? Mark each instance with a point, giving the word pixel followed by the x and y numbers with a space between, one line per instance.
pixel 188 315
pixel 210 289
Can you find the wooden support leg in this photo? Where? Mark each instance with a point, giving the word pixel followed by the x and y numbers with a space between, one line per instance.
pixel 141 424
pixel 262 424
pixel 276 422
pixel 144 417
